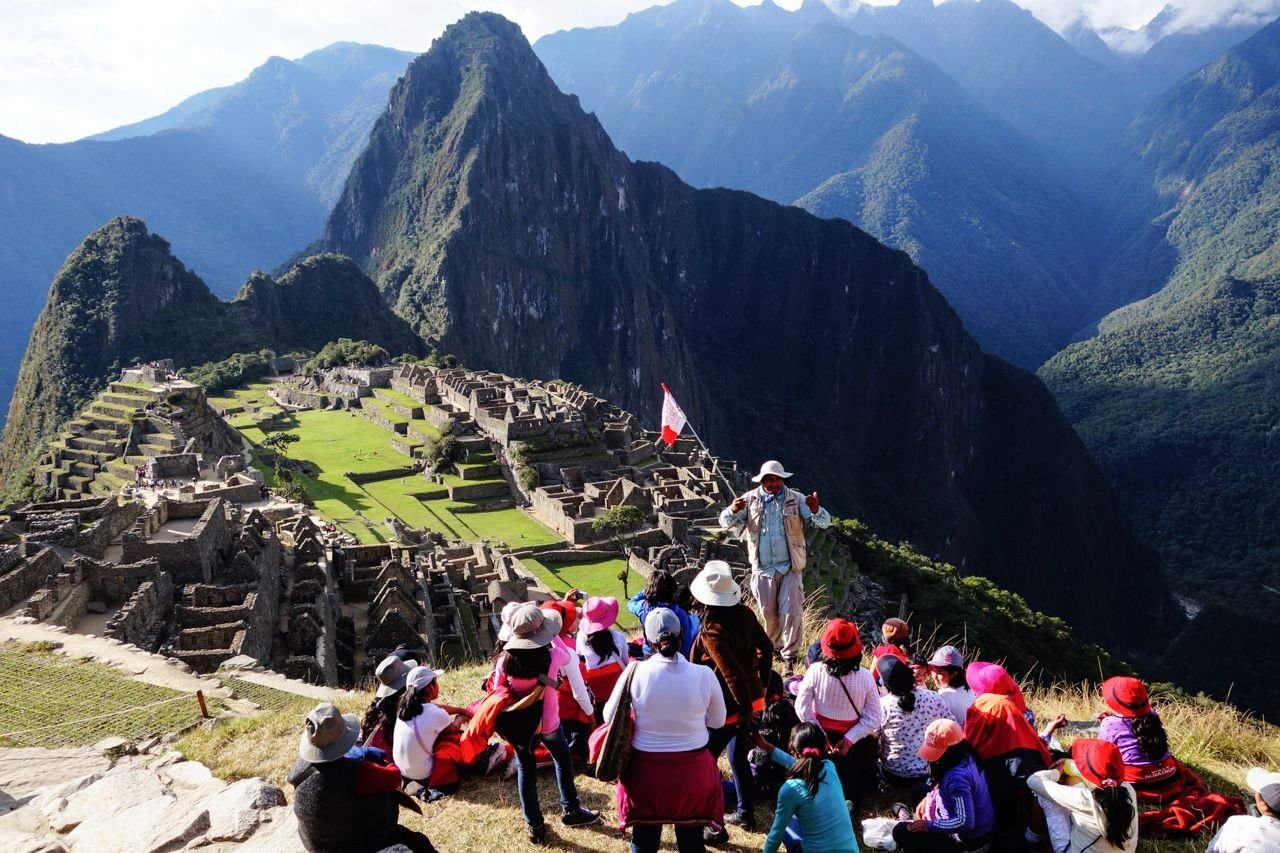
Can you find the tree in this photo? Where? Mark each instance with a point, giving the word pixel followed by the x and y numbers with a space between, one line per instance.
pixel 616 522
pixel 278 443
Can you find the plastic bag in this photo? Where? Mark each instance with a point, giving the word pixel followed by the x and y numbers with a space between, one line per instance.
pixel 877 832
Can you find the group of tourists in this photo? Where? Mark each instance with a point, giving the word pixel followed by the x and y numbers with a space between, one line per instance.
pixel 951 744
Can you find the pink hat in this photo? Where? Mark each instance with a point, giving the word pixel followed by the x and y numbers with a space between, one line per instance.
pixel 599 614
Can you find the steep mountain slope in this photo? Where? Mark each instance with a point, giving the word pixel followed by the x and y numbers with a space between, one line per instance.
pixel 853 126
pixel 122 297
pixel 505 227
pixel 1178 395
pixel 239 178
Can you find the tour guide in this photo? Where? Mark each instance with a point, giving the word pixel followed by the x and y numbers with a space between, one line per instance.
pixel 771 520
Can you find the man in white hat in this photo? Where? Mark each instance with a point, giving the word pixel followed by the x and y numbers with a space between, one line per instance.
pixel 771 519
pixel 1243 833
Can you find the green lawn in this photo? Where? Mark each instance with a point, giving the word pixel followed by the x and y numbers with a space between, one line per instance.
pixel 402 399
pixel 595 578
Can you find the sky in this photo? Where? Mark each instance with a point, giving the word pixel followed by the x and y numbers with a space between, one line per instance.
pixel 71 68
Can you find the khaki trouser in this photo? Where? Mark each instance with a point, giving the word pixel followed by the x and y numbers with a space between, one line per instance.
pixel 781 602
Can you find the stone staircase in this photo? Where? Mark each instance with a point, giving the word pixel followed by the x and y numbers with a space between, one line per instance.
pixel 98 449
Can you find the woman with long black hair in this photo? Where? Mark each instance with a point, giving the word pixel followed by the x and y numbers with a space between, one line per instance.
pixel 1104 810
pixel 811 810
pixel 1135 728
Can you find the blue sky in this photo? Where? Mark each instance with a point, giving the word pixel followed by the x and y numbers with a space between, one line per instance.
pixel 70 68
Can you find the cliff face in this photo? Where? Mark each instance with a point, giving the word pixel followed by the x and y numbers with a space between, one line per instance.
pixel 505 227
pixel 122 297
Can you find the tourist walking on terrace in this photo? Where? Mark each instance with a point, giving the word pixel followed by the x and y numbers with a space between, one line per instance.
pixel 345 800
pixel 671 778
pixel 733 643
pixel 840 696
pixel 771 520
pixel 1103 808
pixel 529 661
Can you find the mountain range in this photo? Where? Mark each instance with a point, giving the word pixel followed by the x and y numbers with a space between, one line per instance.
pixel 239 178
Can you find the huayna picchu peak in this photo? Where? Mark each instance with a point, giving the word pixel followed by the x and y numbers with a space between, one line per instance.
pixel 504 226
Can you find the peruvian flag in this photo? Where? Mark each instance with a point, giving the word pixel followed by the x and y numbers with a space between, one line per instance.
pixel 673 419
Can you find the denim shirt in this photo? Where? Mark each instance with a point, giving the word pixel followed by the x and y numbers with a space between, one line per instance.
pixel 775 558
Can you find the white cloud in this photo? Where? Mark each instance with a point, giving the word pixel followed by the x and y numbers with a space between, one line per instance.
pixel 70 68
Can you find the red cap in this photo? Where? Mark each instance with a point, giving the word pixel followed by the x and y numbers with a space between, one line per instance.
pixel 1098 761
pixel 939 737
pixel 840 640
pixel 1126 696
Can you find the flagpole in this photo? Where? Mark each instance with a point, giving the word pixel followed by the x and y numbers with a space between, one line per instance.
pixel 715 461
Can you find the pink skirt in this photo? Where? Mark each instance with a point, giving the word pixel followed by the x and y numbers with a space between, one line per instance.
pixel 679 788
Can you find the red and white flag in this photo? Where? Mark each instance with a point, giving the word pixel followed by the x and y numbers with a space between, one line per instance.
pixel 673 419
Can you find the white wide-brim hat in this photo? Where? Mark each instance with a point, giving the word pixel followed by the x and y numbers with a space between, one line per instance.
pixel 774 467
pixel 715 585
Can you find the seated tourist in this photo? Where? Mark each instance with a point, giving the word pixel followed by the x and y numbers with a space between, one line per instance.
pixel 1247 833
pixel 957 813
pixel 1103 810
pixel 662 591
pixel 906 711
pixel 1135 728
pixel 377 728
pixel 347 804
pixel 947 668
pixel 811 811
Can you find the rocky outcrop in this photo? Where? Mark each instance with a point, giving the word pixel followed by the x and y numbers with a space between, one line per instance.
pixel 505 227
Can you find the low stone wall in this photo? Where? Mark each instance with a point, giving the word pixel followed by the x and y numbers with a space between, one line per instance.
pixel 398 427
pixel 142 619
pixel 465 508
pixel 174 466
pixel 116 583
pixel 406 448
pixel 72 608
pixel 193 558
pixel 385 474
pixel 18 584
pixel 242 490
pixel 471 491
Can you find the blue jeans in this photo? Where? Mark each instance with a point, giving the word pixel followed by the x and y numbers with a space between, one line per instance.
pixel 739 749
pixel 645 839
pixel 527 777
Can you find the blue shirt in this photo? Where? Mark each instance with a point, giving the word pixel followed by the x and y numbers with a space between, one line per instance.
pixel 824 820
pixel 775 557
pixel 689 624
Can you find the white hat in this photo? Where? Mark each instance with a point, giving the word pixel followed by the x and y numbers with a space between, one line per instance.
pixel 1267 785
pixel 420 677
pixel 715 585
pixel 508 610
pixel 774 467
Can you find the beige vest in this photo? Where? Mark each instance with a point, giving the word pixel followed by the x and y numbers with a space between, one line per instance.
pixel 792 526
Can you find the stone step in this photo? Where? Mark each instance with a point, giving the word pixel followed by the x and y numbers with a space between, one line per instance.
pixel 89 444
pixel 112 410
pixel 84 469
pixel 127 401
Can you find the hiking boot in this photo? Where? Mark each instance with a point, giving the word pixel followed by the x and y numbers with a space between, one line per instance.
pixel 746 822
pixel 538 834
pixel 580 817
pixel 715 836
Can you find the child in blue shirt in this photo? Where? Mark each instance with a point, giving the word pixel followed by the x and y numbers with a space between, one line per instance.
pixel 811 807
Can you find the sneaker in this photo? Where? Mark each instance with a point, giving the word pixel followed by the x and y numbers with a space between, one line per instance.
pixel 580 817
pixel 512 767
pixel 538 834
pixel 746 822
pixel 901 811
pixel 496 756
pixel 715 835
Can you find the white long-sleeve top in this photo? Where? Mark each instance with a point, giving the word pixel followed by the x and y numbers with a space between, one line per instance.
pixel 593 660
pixel 573 673
pixel 1086 815
pixel 674 703
pixel 821 693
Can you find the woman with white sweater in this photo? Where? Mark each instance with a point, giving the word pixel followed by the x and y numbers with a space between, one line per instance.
pixel 671 778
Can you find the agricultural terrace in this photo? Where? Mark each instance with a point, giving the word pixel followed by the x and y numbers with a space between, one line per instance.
pixel 333 443
pixel 597 577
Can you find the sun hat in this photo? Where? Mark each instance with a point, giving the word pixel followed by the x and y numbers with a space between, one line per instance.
pixel 947 656
pixel 532 627
pixel 1097 761
pixel 774 467
pixel 1126 696
pixel 1267 784
pixel 895 630
pixel 895 675
pixel 938 738
pixel 659 621
pixel 421 677
pixel 391 673
pixel 599 614
pixel 508 610
pixel 715 585
pixel 567 610
pixel 840 640
pixel 327 734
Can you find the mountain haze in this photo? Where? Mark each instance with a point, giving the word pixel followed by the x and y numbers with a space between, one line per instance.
pixel 806 111
pixel 503 225
pixel 239 178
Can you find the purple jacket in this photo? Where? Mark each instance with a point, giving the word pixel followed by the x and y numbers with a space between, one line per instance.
pixel 962 803
pixel 1119 730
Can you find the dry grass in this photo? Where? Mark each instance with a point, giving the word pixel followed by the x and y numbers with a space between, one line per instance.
pixel 1218 741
